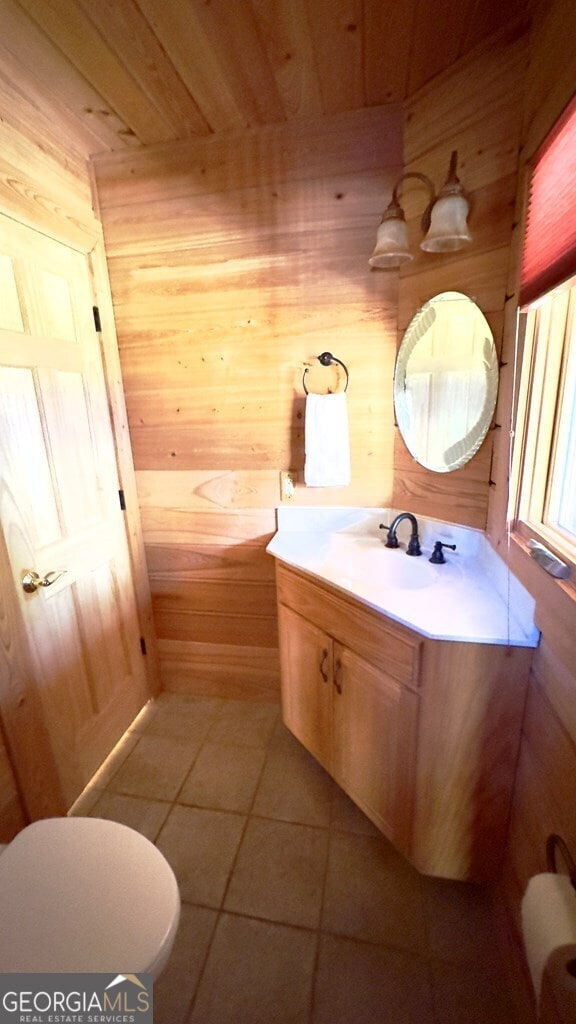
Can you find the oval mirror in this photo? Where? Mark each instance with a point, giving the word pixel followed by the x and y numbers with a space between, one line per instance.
pixel 446 382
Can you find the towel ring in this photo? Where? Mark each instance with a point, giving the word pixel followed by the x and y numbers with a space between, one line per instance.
pixel 326 358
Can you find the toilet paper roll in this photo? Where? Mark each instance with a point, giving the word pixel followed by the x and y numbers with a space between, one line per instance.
pixel 549 926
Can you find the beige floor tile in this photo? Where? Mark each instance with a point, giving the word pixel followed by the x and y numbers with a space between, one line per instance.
pixel 380 919
pixel 183 718
pixel 357 983
pixel 474 994
pixel 282 739
pixel 223 778
pixel 244 724
pixel 257 973
pixel 345 816
pixel 294 787
pixel 201 846
pixel 156 767
pixel 459 921
pixel 372 893
pixel 145 816
pixel 176 987
pixel 279 873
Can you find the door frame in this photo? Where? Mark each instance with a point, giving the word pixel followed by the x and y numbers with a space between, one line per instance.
pixel 20 712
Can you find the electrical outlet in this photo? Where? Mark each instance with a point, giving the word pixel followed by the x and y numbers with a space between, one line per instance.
pixel 287 485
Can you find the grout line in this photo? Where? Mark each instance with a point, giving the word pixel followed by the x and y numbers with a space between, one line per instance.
pixel 220 911
pixel 333 829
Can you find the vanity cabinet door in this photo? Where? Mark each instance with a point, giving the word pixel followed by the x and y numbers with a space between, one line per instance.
pixel 307 683
pixel 375 721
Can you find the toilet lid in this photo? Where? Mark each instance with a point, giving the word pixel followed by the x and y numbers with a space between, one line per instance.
pixel 84 894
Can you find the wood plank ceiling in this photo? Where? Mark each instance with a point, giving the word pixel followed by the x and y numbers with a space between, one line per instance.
pixel 132 73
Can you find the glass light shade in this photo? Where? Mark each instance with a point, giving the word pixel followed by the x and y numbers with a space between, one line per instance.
pixel 391 244
pixel 448 228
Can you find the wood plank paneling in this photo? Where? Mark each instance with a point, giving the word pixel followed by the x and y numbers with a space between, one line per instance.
pixel 91 122
pixel 446 115
pixel 43 175
pixel 246 597
pixel 220 670
pixel 148 64
pixel 337 28
pixel 286 38
pixel 468 486
pixel 216 628
pixel 449 106
pixel 87 50
pixel 319 147
pixel 233 264
pixel 550 82
pixel 214 561
pixel 544 799
pixel 388 35
pixel 130 72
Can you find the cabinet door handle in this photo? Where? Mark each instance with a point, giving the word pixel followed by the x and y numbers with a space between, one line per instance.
pixel 337 670
pixel 323 662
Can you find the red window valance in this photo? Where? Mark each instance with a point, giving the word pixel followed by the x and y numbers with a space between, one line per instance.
pixel 549 254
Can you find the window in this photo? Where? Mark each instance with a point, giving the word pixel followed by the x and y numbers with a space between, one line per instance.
pixel 544 466
pixel 545 445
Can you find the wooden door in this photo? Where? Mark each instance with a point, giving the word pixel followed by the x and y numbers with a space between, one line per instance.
pixel 306 671
pixel 59 505
pixel 374 740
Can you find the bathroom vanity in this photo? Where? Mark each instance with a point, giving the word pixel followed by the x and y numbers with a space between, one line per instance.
pixel 421 732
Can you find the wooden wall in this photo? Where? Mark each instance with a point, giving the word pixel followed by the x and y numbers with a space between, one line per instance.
pixel 234 261
pixel 545 798
pixel 474 108
pixel 496 111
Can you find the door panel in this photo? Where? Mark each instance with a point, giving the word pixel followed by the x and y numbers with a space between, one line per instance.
pixel 59 507
pixel 375 735
pixel 10 313
pixel 306 666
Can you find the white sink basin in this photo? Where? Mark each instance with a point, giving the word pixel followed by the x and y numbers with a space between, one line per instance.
pixel 367 559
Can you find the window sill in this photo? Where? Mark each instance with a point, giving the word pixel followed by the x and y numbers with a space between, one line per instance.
pixel 534 575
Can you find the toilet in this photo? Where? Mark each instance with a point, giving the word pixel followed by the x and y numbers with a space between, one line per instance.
pixel 85 895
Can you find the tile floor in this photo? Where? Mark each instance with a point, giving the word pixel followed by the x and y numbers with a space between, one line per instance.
pixel 295 909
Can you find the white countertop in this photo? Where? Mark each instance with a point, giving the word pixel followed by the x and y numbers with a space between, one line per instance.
pixel 472 597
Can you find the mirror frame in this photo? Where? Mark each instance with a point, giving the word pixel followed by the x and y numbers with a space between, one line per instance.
pixel 464 448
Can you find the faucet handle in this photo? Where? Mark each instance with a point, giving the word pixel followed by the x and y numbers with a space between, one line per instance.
pixel 437 556
pixel 391 540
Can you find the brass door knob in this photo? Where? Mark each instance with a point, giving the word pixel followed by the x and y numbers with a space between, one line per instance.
pixel 32 580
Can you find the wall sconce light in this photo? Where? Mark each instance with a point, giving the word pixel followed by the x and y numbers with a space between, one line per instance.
pixel 443 221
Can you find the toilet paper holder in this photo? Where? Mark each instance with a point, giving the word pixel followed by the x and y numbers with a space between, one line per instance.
pixel 555 843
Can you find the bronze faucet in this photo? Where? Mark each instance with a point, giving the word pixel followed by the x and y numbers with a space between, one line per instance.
pixel 392 540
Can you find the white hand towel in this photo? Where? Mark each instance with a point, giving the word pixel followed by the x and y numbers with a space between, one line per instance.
pixel 327 443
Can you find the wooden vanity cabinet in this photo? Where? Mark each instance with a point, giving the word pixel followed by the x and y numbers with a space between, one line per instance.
pixel 347 696
pixel 422 734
